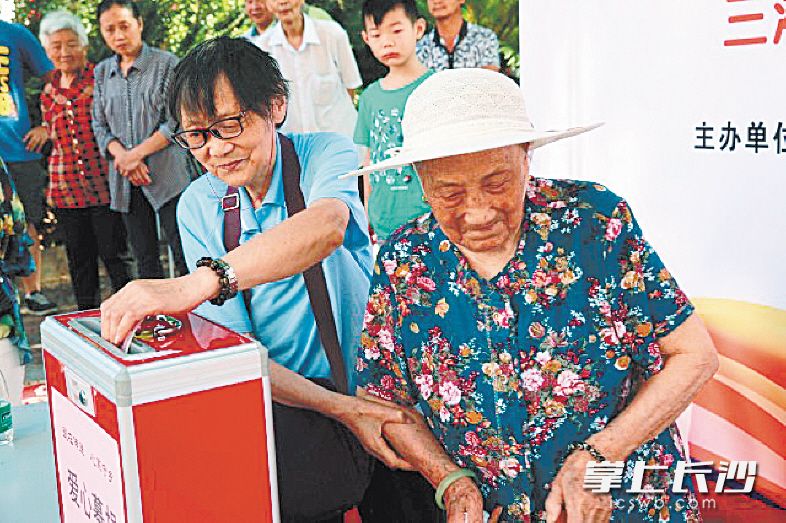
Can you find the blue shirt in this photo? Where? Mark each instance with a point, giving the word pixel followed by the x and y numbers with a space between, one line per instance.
pixel 282 316
pixel 18 47
pixel 509 371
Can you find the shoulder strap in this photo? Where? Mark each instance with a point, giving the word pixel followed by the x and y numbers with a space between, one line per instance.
pixel 230 203
pixel 314 277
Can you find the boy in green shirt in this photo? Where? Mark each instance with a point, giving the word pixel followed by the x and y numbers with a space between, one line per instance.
pixel 391 30
pixel 394 197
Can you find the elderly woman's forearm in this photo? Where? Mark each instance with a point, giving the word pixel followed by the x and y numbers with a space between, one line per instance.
pixel 416 444
pixel 658 403
pixel 688 364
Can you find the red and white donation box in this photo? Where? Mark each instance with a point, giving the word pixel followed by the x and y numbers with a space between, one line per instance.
pixel 175 426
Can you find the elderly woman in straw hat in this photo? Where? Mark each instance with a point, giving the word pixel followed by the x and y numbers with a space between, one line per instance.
pixel 531 324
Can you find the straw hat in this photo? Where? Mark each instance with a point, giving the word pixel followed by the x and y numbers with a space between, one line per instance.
pixel 460 111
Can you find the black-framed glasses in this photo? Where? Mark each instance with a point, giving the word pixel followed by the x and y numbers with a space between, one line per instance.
pixel 230 127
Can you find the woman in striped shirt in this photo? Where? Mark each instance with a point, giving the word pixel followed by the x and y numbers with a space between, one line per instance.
pixel 147 172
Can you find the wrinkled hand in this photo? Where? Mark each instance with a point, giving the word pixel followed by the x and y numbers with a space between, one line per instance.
pixel 36 138
pixel 464 503
pixel 568 490
pixel 366 415
pixel 127 161
pixel 140 176
pixel 141 298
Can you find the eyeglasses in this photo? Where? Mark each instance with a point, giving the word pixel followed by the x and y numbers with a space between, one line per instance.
pixel 223 130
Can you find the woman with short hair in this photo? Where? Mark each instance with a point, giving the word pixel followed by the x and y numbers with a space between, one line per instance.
pixel 78 188
pixel 147 172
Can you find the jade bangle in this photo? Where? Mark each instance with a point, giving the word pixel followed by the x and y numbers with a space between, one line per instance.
pixel 448 481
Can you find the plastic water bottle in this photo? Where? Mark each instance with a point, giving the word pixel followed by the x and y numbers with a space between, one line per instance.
pixel 6 428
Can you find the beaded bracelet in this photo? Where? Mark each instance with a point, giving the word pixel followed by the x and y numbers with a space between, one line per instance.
pixel 583 445
pixel 448 481
pixel 226 278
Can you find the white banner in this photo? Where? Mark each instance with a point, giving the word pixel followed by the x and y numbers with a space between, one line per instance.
pixel 692 94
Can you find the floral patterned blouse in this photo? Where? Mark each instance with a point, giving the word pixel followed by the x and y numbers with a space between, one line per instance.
pixel 15 260
pixel 509 371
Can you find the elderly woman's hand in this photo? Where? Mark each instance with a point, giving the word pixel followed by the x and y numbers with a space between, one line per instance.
pixel 463 502
pixel 567 489
pixel 36 138
pixel 141 298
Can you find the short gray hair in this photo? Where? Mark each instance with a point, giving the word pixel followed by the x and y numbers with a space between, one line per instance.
pixel 58 21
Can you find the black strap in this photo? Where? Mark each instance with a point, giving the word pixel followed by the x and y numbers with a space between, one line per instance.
pixel 230 203
pixel 316 285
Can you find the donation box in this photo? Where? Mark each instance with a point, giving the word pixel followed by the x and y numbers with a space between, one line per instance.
pixel 177 428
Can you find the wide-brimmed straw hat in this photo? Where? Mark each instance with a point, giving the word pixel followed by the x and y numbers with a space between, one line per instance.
pixel 460 111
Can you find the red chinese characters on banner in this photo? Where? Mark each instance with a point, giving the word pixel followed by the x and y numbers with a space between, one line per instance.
pixel 760 21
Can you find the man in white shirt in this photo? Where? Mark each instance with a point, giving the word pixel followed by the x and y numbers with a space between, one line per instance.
pixel 316 59
pixel 261 19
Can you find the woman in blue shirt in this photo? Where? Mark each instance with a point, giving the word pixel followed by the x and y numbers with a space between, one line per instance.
pixel 228 96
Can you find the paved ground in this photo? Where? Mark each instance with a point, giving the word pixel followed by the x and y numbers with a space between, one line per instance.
pixel 56 284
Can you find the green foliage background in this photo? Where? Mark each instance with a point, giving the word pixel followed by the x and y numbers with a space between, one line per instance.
pixel 179 25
